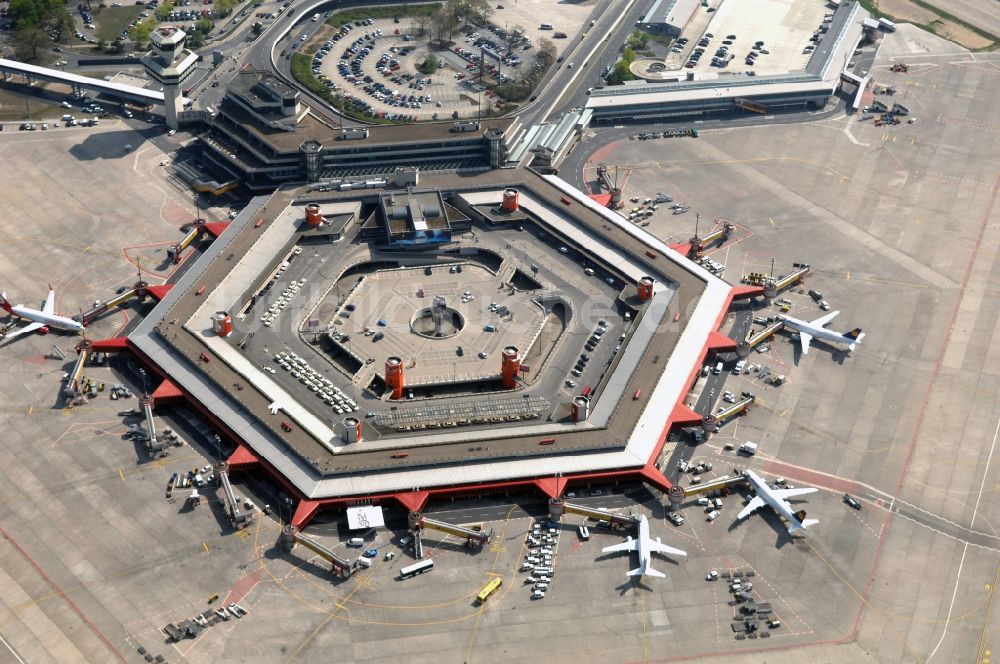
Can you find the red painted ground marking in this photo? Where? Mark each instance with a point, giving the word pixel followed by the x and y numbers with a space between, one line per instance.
pixel 811 477
pixel 59 591
pixel 927 393
pixel 243 587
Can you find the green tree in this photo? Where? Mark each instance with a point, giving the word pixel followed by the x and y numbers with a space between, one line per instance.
pixel 164 10
pixel 32 13
pixel 196 39
pixel 444 26
pixel 429 65
pixel 257 28
pixel 224 7
pixel 620 73
pixel 28 41
pixel 101 45
pixel 204 25
pixel 140 33
pixel 546 53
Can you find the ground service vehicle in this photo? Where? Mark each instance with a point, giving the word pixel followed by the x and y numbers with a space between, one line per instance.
pixel 489 589
pixel 416 568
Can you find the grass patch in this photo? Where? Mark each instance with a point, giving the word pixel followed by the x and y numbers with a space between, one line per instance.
pixel 661 39
pixel 112 21
pixel 392 11
pixel 872 8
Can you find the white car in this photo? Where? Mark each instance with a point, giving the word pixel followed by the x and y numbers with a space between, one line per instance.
pixel 269 370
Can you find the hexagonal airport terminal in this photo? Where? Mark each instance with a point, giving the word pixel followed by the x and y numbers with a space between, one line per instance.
pixel 438 337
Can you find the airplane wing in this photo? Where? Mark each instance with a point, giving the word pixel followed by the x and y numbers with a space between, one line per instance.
pixel 50 303
pixel 784 494
pixel 630 545
pixel 659 547
pixel 823 320
pixel 30 327
pixel 752 506
pixel 805 338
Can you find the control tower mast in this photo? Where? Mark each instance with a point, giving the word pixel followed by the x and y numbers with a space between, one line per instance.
pixel 170 64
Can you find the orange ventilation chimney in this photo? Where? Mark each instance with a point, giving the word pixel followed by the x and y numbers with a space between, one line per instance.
pixel 352 430
pixel 509 200
pixel 509 368
pixel 645 288
pixel 314 215
pixel 394 376
pixel 222 324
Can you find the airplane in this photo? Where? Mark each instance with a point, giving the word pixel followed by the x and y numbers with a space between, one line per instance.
pixel 814 329
pixel 776 499
pixel 40 320
pixel 645 546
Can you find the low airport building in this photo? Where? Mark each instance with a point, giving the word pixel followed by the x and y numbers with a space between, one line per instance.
pixel 262 137
pixel 669 17
pixel 702 96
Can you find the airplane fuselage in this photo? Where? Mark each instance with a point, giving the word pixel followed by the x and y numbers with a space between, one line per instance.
pixel 49 320
pixel 819 332
pixel 779 505
pixel 643 543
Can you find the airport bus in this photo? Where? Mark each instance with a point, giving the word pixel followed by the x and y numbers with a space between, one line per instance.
pixel 416 568
pixel 489 589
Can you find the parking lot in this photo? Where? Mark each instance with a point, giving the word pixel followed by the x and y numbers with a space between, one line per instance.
pixel 783 27
pixel 375 64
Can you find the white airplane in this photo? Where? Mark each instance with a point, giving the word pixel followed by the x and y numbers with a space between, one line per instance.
pixel 808 330
pixel 40 320
pixel 776 498
pixel 645 547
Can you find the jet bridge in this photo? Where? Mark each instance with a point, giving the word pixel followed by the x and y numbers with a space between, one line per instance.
pixel 89 316
pixel 774 286
pixel 710 422
pixel 474 537
pixel 340 566
pixel 238 517
pixel 722 484
pixel 154 447
pixel 72 388
pixel 699 244
pixel 174 252
pixel 558 507
pixel 752 338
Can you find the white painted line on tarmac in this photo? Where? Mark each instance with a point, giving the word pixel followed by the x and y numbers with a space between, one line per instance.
pixel 16 656
pixel 965 549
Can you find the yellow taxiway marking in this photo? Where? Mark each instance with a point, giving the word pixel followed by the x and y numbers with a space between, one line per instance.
pixel 31 409
pixel 206 546
pixel 771 220
pixel 121 474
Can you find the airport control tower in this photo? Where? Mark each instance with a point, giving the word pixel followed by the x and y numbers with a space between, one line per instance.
pixel 172 65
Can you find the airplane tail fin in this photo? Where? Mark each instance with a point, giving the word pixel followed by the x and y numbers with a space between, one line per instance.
pixel 645 570
pixel 5 303
pixel 800 516
pixel 855 334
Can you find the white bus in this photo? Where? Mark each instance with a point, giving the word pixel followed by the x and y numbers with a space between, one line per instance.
pixel 416 568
